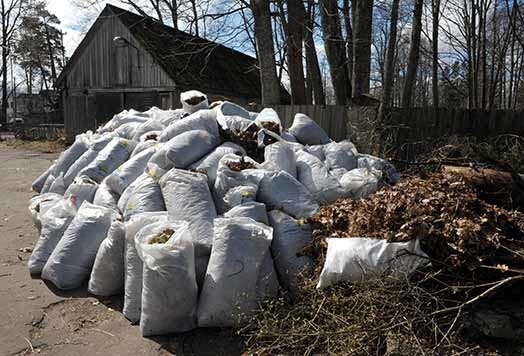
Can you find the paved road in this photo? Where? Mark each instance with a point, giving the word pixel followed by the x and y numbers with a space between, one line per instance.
pixel 37 320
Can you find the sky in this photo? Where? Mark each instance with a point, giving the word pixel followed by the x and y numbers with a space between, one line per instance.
pixel 71 21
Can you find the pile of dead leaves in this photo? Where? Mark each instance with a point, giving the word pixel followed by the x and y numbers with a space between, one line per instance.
pixel 457 229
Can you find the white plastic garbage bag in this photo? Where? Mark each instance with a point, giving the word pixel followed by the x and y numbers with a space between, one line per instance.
pixel 158 163
pixel 390 173
pixel 72 259
pixel 340 157
pixel 355 259
pixel 153 124
pixel 361 182
pixel 110 158
pixel 231 116
pixel 193 100
pixel 36 204
pixel 87 157
pixel 290 236
pixel 126 174
pixel 209 163
pixel 307 131
pixel 267 117
pixel 82 189
pixel 317 151
pixel 58 186
pixel 228 178
pixel 229 295
pixel 286 136
pixel 48 183
pixel 188 198
pixel 204 120
pixel 107 275
pixel 169 288
pixel 280 157
pixel 189 147
pixel 267 283
pixel 69 156
pixel 54 222
pixel 240 195
pixel 314 175
pixel 145 196
pixel 279 190
pixel 106 197
pixel 39 182
pixel 144 145
pixel 127 130
pixel 133 263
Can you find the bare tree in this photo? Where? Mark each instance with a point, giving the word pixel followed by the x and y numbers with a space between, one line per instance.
pixel 335 51
pixel 414 54
pixel 387 85
pixel 313 69
pixel 435 8
pixel 266 59
pixel 362 25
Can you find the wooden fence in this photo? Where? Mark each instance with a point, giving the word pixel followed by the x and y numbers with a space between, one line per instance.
pixel 409 125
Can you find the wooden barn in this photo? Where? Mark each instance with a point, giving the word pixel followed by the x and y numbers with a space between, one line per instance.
pixel 129 61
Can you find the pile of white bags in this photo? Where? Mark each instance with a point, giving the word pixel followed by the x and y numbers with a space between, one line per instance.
pixel 167 208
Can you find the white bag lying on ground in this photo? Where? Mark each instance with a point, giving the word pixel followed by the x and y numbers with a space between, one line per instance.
pixel 361 182
pixel 105 197
pixel 229 295
pixel 69 156
pixel 126 174
pixel 204 120
pixel 107 276
pixel 268 116
pixel 133 263
pixel 251 209
pixel 153 124
pixel 169 288
pixel 231 116
pixel 36 203
pixel 58 186
pixel 314 175
pixel 355 259
pixel 72 259
pixel 280 157
pixel 228 178
pixel 144 145
pixel 340 157
pixel 286 136
pixel 209 163
pixel 317 151
pixel 87 157
pixel 189 147
pixel 307 131
pixel 54 222
pixel 39 182
pixel 145 196
pixel 193 100
pixel 82 189
pixel 390 173
pixel 279 190
pixel 110 158
pixel 127 130
pixel 290 236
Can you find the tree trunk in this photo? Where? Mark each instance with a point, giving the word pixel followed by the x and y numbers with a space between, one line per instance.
pixel 349 38
pixel 434 66
pixel 335 51
pixel 414 54
pixel 387 86
pixel 195 16
pixel 313 69
pixel 51 54
pixel 362 23
pixel 295 34
pixel 270 87
pixel 3 119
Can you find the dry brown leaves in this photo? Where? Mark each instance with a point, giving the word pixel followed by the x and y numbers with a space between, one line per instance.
pixel 456 228
pixel 241 165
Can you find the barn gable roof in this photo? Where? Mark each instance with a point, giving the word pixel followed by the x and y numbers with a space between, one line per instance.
pixel 191 61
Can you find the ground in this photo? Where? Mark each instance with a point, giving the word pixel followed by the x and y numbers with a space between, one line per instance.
pixel 38 319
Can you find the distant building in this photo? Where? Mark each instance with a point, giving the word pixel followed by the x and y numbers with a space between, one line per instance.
pixel 24 105
pixel 129 61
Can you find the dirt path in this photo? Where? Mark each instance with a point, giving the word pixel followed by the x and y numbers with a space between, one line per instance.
pixel 39 320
